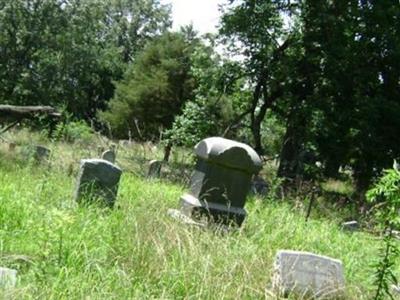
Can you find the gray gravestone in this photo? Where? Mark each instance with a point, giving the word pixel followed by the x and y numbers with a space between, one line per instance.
pixel 8 278
pixel 350 226
pixel 221 181
pixel 98 179
pixel 41 153
pixel 259 186
pixel 12 146
pixel 308 274
pixel 109 155
pixel 154 169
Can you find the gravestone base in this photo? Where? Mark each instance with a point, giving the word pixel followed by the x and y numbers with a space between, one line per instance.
pixel 215 212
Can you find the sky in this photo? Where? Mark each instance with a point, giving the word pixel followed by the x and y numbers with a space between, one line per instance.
pixel 203 14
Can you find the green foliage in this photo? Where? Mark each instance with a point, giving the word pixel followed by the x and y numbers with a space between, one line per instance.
pixel 62 250
pixel 386 195
pixel 67 53
pixel 154 89
pixel 74 132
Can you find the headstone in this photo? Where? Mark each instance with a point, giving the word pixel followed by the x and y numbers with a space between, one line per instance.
pixel 395 290
pixel 41 153
pixel 12 146
pixel 304 273
pixel 8 278
pixel 350 226
pixel 154 169
pixel 259 186
pixel 109 155
pixel 221 181
pixel 98 179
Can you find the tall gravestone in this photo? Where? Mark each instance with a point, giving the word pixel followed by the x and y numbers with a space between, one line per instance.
pixel 154 169
pixel 305 273
pixel 98 179
pixel 221 181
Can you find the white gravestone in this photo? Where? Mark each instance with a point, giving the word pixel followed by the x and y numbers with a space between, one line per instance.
pixel 309 274
pixel 8 278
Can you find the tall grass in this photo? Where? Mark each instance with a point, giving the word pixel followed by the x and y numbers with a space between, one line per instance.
pixel 136 251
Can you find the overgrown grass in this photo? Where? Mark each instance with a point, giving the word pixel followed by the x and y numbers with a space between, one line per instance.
pixel 136 251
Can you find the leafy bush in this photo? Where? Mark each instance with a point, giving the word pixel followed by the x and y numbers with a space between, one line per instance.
pixel 386 195
pixel 74 131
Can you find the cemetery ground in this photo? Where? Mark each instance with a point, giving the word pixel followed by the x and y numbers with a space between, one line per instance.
pixel 136 251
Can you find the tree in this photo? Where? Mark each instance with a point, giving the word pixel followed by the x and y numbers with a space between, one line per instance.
pixel 68 53
pixel 154 89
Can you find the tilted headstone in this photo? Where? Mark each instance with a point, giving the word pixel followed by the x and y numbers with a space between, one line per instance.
pixel 305 273
pixel 41 153
pixel 350 226
pixel 8 278
pixel 221 181
pixel 154 169
pixel 109 155
pixel 98 179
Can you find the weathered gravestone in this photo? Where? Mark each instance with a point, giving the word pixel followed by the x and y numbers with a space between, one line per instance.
pixel 109 155
pixel 154 169
pixel 308 274
pixel 350 226
pixel 98 179
pixel 221 181
pixel 259 186
pixel 41 153
pixel 12 146
pixel 8 278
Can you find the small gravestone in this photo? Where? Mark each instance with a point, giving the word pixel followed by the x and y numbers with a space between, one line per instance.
pixel 350 226
pixel 98 179
pixel 304 273
pixel 109 155
pixel 221 181
pixel 154 169
pixel 41 153
pixel 395 290
pixel 8 278
pixel 259 186
pixel 12 146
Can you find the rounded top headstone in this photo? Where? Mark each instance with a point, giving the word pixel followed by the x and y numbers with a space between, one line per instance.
pixel 229 153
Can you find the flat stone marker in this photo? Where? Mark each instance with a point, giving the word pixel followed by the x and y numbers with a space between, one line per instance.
pixel 350 226
pixel 8 278
pixel 305 273
pixel 109 155
pixel 98 179
pixel 221 181
pixel 154 169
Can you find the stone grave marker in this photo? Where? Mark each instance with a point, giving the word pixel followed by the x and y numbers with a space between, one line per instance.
pixel 221 181
pixel 154 169
pixel 350 226
pixel 98 179
pixel 41 153
pixel 305 273
pixel 12 146
pixel 8 278
pixel 109 155
pixel 259 186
